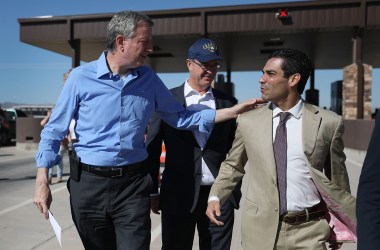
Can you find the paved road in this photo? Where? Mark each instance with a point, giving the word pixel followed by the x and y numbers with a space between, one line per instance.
pixel 23 228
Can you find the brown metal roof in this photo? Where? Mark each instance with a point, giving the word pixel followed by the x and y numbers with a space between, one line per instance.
pixel 245 33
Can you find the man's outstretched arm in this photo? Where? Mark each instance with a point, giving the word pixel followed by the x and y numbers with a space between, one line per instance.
pixel 233 112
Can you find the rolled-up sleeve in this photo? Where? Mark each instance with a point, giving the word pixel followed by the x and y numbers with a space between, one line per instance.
pixel 47 159
pixel 176 115
pixel 208 118
pixel 56 128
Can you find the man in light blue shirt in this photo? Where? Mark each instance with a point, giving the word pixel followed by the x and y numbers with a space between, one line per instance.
pixel 111 100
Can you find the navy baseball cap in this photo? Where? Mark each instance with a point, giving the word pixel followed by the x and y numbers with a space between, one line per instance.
pixel 204 50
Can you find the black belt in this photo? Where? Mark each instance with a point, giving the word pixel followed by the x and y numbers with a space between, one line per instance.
pixel 308 214
pixel 106 171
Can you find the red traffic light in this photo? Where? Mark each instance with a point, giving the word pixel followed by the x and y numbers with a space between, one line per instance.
pixel 282 13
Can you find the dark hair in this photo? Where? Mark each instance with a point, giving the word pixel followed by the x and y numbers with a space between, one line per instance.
pixel 125 23
pixel 294 61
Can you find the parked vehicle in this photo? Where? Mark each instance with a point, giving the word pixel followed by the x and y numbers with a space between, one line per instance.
pixel 36 111
pixel 4 128
pixel 12 115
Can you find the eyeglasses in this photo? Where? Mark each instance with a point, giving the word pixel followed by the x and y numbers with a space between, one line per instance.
pixel 207 67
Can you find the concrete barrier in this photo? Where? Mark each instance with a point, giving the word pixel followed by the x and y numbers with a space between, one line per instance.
pixel 28 132
pixel 357 133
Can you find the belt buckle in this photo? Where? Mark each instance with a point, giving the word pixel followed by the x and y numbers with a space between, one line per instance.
pixel 117 174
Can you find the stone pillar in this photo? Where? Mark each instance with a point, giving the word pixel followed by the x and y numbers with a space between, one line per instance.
pixel 350 90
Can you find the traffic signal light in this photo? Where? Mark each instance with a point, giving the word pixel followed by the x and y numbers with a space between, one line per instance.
pixel 282 14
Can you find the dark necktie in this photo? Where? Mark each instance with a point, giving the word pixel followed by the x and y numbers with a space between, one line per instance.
pixel 280 148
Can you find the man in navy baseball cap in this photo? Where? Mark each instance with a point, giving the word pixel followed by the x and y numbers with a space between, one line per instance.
pixel 204 50
pixel 199 156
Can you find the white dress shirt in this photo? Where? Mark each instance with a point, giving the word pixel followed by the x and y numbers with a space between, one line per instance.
pixel 196 101
pixel 301 192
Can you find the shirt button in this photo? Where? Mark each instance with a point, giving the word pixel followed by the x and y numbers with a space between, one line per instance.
pixel 276 209
pixel 122 140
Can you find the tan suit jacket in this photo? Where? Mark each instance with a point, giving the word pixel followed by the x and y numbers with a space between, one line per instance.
pixel 322 132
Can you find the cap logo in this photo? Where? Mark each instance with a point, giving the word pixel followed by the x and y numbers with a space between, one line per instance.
pixel 210 47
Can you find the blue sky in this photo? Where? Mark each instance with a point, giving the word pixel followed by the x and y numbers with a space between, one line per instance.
pixel 32 75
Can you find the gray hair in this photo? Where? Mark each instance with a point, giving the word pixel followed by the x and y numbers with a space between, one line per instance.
pixel 125 23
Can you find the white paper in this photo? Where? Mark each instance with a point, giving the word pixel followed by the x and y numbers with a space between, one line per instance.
pixel 57 229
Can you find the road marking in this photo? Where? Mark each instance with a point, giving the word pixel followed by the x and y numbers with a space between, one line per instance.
pixel 28 202
pixel 156 232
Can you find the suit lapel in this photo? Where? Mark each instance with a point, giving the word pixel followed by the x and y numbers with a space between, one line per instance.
pixel 310 126
pixel 179 94
pixel 219 104
pixel 265 126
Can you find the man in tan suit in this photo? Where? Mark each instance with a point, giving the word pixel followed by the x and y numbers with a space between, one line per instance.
pixel 297 183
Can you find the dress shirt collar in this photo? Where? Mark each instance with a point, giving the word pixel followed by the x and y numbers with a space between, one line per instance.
pixel 104 71
pixel 189 91
pixel 296 111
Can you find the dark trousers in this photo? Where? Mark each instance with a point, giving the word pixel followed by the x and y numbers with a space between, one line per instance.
pixel 178 231
pixel 112 213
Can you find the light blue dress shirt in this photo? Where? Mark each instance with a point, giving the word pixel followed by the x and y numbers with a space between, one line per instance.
pixel 112 114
